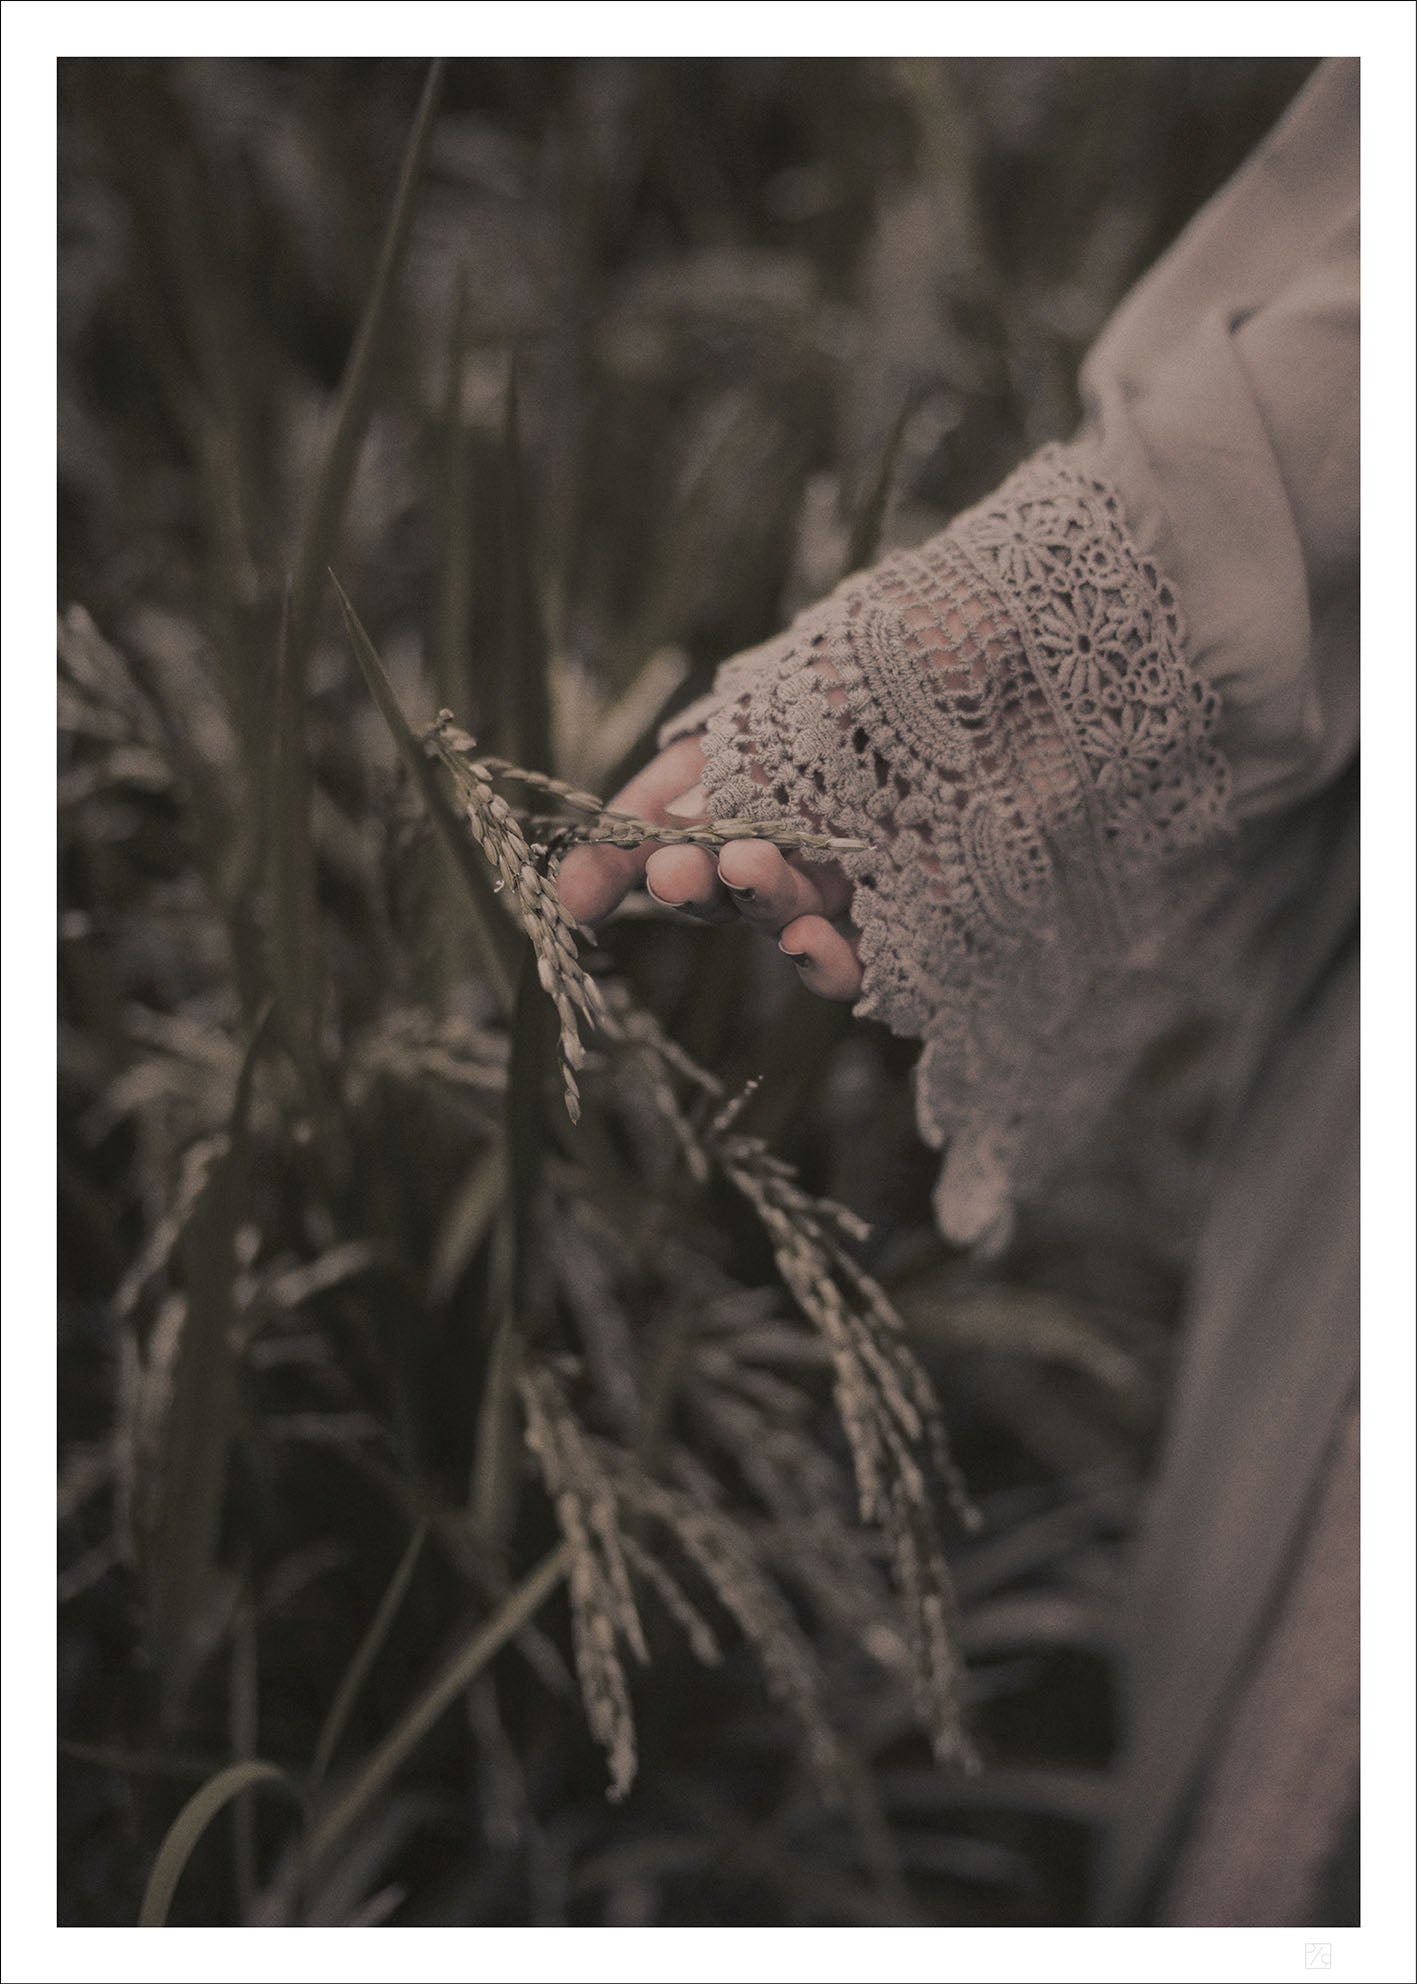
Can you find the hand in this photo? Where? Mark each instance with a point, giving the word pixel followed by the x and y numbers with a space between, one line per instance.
pixel 785 896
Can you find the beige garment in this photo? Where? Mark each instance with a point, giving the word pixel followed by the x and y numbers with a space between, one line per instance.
pixel 1224 400
pixel 1101 739
pixel 1270 1821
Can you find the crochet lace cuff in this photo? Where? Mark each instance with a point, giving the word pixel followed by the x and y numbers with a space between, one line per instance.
pixel 1007 715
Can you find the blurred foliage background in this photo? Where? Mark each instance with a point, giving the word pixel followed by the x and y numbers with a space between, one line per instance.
pixel 581 378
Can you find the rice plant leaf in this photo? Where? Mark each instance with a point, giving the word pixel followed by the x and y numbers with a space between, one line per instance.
pixel 494 1472
pixel 290 857
pixel 290 852
pixel 499 943
pixel 197 1428
pixel 466 1223
pixel 365 1654
pixel 524 704
pixel 531 1068
pixel 455 586
pixel 467 1663
pixel 870 518
pixel 531 1071
pixel 186 1830
pixel 351 416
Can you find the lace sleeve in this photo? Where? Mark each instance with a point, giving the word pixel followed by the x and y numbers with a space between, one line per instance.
pixel 1008 716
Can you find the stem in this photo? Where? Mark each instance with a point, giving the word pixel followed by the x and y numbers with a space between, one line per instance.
pixel 466 1664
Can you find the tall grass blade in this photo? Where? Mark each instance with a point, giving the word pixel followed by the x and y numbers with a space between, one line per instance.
pixel 365 1654
pixel 291 853
pixel 467 1663
pixel 532 1066
pixel 351 415
pixel 290 860
pixel 455 588
pixel 530 1071
pixel 445 938
pixel 494 1467
pixel 466 1223
pixel 186 1830
pixel 243 1721
pixel 197 1428
pixel 524 705
pixel 499 945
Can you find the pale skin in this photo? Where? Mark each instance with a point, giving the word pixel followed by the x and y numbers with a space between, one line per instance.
pixel 802 904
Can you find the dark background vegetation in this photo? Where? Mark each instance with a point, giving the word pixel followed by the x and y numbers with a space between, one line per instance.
pixel 281 1076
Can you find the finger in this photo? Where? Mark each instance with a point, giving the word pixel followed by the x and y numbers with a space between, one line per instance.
pixel 593 880
pixel 770 891
pixel 825 958
pixel 685 878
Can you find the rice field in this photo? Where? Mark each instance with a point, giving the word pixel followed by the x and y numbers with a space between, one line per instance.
pixel 527 1457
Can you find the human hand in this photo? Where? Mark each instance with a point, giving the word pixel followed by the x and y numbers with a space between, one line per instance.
pixel 800 902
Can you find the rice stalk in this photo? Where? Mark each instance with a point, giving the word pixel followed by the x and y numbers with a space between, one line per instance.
pixel 603 1611
pixel 369 1778
pixel 365 1654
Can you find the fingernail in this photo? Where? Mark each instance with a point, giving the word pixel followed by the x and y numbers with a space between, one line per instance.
pixel 700 912
pixel 799 958
pixel 689 805
pixel 741 895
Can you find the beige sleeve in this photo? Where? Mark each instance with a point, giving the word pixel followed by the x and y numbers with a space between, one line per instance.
pixel 1049 720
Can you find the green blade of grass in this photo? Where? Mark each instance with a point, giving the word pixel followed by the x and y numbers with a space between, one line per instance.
pixel 341 457
pixel 466 1223
pixel 524 703
pixel 444 939
pixel 187 1828
pixel 530 1072
pixel 197 1429
pixel 243 1725
pixel 455 587
pixel 466 1664
pixel 365 1654
pixel 290 853
pixel 494 1474
pixel 290 861
pixel 499 943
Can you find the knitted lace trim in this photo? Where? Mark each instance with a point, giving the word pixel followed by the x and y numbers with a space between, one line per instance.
pixel 1008 716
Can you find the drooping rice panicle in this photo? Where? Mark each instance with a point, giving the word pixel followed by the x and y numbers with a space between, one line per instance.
pixel 697 1631
pixel 722 1553
pixel 887 1406
pixel 602 1606
pixel 552 929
